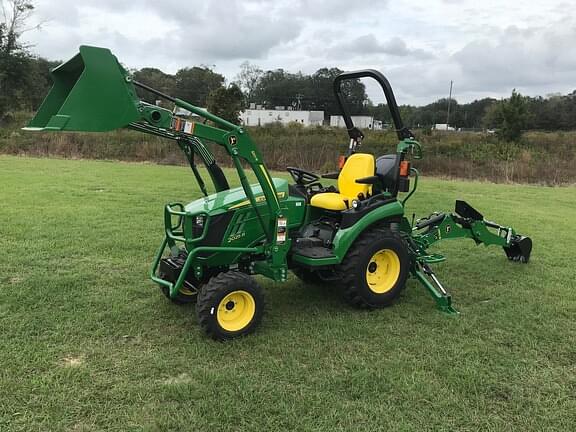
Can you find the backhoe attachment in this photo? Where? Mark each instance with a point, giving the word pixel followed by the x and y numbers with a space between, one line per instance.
pixel 465 222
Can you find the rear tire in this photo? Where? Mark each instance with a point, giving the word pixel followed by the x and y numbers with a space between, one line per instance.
pixel 230 305
pixel 375 269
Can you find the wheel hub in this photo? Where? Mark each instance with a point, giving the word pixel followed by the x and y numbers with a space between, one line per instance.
pixel 236 310
pixel 383 271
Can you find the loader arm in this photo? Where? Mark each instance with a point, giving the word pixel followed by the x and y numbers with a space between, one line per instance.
pixel 92 92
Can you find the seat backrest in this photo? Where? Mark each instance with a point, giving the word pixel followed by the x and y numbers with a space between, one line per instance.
pixel 357 166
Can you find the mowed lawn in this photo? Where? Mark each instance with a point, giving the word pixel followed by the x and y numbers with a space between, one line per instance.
pixel 88 343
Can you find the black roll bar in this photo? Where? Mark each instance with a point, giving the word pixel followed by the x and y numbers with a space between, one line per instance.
pixel 353 132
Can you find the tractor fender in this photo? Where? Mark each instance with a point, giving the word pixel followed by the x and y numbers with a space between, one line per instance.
pixel 345 237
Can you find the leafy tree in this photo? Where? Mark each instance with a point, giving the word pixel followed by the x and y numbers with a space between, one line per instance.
pixel 322 93
pixel 195 84
pixel 248 79
pixel 493 116
pixel 354 92
pixel 279 88
pixel 473 113
pixel 156 79
pixel 308 92
pixel 14 57
pixel 226 102
pixel 38 82
pixel 509 116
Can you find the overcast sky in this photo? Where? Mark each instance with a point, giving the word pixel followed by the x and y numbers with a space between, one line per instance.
pixel 486 47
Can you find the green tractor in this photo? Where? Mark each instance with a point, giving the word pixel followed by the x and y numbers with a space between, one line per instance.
pixel 355 235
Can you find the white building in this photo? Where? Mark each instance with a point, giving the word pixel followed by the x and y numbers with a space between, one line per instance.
pixel 261 117
pixel 362 122
pixel 443 127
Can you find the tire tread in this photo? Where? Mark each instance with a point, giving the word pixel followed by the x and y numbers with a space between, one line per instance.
pixel 208 298
pixel 352 262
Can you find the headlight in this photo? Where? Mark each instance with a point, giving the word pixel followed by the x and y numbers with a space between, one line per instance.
pixel 198 225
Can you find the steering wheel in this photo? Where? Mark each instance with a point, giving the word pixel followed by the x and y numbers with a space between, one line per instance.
pixel 302 177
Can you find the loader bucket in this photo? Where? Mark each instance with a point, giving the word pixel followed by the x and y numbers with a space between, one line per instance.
pixel 92 92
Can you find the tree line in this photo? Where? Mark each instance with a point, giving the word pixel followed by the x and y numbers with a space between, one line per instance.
pixel 554 112
pixel 202 86
pixel 25 80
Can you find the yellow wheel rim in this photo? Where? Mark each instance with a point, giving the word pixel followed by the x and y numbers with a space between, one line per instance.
pixel 383 271
pixel 235 311
pixel 186 292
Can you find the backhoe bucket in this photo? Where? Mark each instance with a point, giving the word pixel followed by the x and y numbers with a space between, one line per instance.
pixel 92 92
pixel 519 249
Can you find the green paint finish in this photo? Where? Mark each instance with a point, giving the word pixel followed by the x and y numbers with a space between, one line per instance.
pixel 443 301
pixel 155 115
pixel 450 229
pixel 91 93
pixel 345 237
pixel 235 198
pixel 410 146
pixel 243 233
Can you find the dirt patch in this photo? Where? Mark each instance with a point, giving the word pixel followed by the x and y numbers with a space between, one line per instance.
pixel 73 361
pixel 183 378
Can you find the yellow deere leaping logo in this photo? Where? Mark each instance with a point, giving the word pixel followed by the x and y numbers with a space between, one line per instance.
pixel 258 199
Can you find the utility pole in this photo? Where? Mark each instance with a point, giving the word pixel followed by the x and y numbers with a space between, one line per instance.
pixel 449 100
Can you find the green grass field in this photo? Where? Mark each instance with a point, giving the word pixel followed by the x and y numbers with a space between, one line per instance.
pixel 88 343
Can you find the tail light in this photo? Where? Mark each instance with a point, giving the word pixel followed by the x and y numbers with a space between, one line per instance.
pixel 404 169
pixel 403 179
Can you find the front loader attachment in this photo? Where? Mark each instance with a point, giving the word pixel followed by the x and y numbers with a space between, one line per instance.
pixel 92 92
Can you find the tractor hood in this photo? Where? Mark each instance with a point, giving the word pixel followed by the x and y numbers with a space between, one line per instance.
pixel 231 199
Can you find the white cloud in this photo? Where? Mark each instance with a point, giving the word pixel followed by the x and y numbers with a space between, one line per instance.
pixel 419 46
pixel 368 44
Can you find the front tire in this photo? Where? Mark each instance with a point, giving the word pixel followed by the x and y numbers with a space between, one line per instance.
pixel 230 305
pixel 184 296
pixel 375 269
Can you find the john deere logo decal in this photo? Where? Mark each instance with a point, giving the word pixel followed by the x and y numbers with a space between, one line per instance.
pixel 232 140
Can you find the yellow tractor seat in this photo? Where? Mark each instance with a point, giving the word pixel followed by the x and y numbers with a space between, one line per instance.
pixel 358 165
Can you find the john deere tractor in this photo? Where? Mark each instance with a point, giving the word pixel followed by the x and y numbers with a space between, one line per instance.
pixel 355 235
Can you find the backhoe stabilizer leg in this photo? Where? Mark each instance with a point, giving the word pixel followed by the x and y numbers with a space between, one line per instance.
pixel 427 277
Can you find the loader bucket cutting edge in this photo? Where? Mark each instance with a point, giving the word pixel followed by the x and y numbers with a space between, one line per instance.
pixel 91 93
